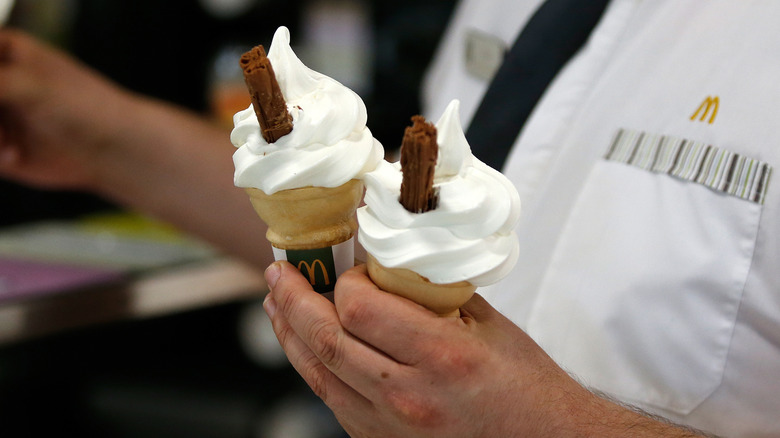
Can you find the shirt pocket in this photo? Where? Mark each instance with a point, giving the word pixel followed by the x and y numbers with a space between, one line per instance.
pixel 643 289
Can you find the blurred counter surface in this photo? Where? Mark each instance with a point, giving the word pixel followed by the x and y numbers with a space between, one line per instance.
pixel 66 274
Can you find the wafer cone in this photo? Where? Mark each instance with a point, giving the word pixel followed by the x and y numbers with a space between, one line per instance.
pixel 443 299
pixel 309 217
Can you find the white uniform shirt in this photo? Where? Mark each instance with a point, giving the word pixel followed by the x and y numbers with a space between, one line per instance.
pixel 659 285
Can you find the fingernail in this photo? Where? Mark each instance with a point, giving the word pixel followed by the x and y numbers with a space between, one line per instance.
pixel 272 274
pixel 269 304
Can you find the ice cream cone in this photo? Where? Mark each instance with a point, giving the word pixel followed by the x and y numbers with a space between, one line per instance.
pixel 442 215
pixel 289 163
pixel 443 299
pixel 309 217
pixel 312 228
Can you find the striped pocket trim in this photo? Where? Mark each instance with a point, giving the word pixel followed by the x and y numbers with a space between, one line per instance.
pixel 693 161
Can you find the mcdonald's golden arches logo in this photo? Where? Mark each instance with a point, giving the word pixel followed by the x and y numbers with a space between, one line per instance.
pixel 709 107
pixel 311 271
pixel 317 265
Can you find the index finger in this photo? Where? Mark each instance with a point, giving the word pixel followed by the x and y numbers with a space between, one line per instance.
pixel 314 321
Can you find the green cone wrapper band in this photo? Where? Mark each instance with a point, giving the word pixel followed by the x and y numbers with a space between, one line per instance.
pixel 321 266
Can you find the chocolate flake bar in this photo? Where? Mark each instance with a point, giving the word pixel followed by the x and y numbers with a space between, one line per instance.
pixel 419 152
pixel 267 99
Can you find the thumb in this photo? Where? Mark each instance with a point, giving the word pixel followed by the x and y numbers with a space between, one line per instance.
pixel 284 284
pixel 282 275
pixel 292 301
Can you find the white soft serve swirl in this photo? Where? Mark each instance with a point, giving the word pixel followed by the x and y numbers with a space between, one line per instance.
pixel 468 237
pixel 329 144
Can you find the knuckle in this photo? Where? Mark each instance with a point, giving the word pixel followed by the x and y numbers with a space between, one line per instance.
pixel 285 334
pixel 288 302
pixel 455 363
pixel 355 313
pixel 317 378
pixel 327 343
pixel 414 409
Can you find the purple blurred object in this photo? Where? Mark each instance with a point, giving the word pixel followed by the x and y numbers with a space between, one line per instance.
pixel 20 279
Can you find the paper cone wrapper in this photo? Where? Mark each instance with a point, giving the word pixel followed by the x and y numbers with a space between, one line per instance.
pixel 313 228
pixel 443 299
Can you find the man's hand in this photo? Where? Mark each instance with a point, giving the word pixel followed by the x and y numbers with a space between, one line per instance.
pixel 53 114
pixel 388 367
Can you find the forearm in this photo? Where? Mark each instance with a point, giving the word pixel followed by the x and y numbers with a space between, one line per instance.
pixel 605 418
pixel 176 166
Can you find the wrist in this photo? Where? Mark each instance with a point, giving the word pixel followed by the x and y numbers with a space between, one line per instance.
pixel 604 418
pixel 578 413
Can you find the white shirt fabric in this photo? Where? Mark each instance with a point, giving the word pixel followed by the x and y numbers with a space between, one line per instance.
pixel 661 291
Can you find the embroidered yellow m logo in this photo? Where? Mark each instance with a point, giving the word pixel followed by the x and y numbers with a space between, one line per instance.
pixel 311 270
pixel 708 106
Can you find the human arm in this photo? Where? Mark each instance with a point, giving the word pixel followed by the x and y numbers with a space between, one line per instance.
pixel 63 126
pixel 389 368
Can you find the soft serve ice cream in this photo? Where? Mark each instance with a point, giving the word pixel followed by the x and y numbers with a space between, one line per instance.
pixel 303 146
pixel 329 143
pixel 467 238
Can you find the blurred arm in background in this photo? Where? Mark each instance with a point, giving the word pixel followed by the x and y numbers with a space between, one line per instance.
pixel 64 126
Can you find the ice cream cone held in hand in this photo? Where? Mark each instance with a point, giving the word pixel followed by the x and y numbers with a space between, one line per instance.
pixel 439 223
pixel 303 147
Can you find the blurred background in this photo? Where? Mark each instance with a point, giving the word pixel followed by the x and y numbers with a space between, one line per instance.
pixel 113 325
